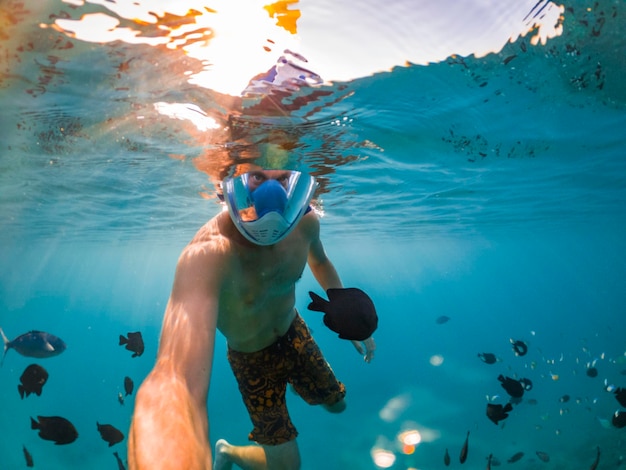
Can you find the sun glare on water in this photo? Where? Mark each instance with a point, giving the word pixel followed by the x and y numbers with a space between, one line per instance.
pixel 238 40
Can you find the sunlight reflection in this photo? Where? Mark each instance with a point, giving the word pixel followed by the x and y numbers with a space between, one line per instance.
pixel 395 407
pixel 236 40
pixel 436 360
pixel 381 454
pixel 187 111
pixel 410 437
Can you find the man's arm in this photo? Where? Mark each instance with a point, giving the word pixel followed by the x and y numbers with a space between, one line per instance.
pixel 170 426
pixel 326 275
pixel 322 268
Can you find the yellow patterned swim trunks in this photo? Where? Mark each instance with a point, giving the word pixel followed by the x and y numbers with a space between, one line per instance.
pixel 263 376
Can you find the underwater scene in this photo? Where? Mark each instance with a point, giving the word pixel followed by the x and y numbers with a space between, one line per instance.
pixel 471 168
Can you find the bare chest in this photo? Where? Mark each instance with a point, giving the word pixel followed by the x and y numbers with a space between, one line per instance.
pixel 258 293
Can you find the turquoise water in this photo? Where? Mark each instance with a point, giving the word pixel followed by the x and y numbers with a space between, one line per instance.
pixel 491 190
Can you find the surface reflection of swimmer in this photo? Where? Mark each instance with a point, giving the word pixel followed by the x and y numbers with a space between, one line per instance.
pixel 239 276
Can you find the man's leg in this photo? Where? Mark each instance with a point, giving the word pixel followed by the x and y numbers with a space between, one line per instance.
pixel 338 407
pixel 280 457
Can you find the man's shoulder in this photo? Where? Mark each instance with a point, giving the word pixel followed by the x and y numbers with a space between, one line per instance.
pixel 209 239
pixel 310 224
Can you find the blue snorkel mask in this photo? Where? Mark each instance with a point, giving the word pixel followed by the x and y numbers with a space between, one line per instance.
pixel 266 205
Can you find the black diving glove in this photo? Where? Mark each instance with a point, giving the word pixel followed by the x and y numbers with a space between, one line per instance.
pixel 349 312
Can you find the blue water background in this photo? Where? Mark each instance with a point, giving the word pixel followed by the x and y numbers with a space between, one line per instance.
pixel 493 194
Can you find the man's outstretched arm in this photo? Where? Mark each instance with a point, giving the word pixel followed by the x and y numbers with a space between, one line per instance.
pixel 170 425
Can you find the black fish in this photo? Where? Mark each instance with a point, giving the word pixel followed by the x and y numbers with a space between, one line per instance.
pixel 34 344
pixel 446 458
pixel 463 454
pixel 128 385
pixel 29 458
pixel 32 380
pixel 619 419
pixel 488 358
pixel 515 457
pixel 497 413
pixel 55 428
pixel 519 347
pixel 513 387
pixel 592 372
pixel 543 456
pixel 620 395
pixel 489 461
pixel 527 384
pixel 564 398
pixel 110 434
pixel 442 319
pixel 133 343
pixel 349 312
pixel 596 462
pixel 120 464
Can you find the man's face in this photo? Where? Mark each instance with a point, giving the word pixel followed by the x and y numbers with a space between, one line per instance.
pixel 257 177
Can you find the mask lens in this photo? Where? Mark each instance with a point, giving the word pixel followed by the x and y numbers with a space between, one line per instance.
pixel 265 206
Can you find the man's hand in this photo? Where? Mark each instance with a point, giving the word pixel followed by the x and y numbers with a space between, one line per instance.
pixel 366 348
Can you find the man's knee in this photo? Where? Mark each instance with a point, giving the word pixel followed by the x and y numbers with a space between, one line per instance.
pixel 283 456
pixel 336 407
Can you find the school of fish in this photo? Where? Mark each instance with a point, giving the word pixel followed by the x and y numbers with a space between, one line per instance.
pixel 58 429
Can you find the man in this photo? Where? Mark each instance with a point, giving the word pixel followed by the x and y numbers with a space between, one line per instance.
pixel 238 275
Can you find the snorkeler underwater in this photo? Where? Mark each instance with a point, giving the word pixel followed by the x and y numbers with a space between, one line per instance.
pixel 415 208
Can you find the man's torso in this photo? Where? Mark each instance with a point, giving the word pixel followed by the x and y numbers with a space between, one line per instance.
pixel 257 288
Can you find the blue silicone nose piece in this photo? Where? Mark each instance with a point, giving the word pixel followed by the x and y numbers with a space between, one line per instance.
pixel 269 197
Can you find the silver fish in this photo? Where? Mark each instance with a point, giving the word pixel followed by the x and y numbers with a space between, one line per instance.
pixel 34 344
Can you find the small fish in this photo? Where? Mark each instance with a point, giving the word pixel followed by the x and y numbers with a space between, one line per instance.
pixel 497 413
pixel 120 464
pixel 564 398
pixel 592 372
pixel 488 358
pixel 464 449
pixel 509 59
pixel 619 419
pixel 110 434
pixel 515 457
pixel 489 461
pixel 129 386
pixel 133 343
pixel 34 344
pixel 446 458
pixel 120 398
pixel 544 457
pixel 32 380
pixel 620 395
pixel 442 319
pixel 29 458
pixel 519 347
pixel 55 428
pixel 513 387
pixel 596 462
